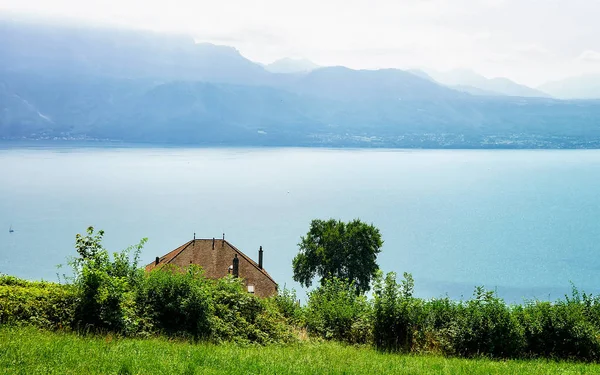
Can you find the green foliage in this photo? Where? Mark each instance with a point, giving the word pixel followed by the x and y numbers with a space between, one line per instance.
pixel 566 329
pixel 106 286
pixel 44 305
pixel 289 306
pixel 112 294
pixel 486 326
pixel 334 249
pixel 335 311
pixel 242 317
pixel 175 302
pixel 395 312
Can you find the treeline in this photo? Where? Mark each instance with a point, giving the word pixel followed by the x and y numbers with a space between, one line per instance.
pixel 112 294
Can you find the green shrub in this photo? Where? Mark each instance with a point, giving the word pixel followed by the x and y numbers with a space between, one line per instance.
pixel 175 302
pixel 6 280
pixel 44 305
pixel 486 326
pixel 395 312
pixel 242 317
pixel 289 306
pixel 106 286
pixel 335 311
pixel 560 330
pixel 434 325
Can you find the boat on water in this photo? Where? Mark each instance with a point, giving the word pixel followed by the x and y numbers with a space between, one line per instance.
pixel 10 230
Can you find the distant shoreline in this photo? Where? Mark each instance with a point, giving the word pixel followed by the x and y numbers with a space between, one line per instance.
pixel 93 143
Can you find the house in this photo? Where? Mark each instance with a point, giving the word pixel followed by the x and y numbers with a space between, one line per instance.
pixel 219 258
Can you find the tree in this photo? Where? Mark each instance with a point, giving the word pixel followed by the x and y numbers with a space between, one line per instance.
pixel 334 249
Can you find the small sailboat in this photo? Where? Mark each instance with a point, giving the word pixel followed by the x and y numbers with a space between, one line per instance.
pixel 10 230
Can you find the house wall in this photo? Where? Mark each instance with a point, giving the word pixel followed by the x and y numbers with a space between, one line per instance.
pixel 216 262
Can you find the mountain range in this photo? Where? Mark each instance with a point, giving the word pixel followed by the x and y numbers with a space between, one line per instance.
pixel 469 81
pixel 288 65
pixel 80 82
pixel 580 87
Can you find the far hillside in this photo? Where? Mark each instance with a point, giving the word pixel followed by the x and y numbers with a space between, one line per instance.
pixel 77 82
pixel 288 65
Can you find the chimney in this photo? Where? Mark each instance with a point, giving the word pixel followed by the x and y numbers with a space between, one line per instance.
pixel 213 243
pixel 260 257
pixel 156 261
pixel 236 266
pixel 223 243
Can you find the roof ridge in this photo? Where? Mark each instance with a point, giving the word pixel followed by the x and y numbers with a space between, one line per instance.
pixel 251 261
pixel 183 247
pixel 165 258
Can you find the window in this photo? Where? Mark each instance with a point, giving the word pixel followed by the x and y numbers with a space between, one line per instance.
pixel 251 289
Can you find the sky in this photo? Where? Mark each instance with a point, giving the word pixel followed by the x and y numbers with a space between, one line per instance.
pixel 529 41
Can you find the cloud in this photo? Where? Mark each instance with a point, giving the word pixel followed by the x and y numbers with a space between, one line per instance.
pixel 589 56
pixel 243 36
pixel 533 51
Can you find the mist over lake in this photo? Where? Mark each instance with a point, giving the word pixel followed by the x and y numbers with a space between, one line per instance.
pixel 522 222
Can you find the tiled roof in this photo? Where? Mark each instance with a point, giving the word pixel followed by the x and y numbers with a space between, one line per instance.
pixel 250 261
pixel 169 257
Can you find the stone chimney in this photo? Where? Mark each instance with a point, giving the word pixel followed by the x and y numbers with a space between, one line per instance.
pixel 236 266
pixel 260 258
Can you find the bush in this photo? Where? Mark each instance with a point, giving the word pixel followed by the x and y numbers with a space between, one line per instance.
pixel 335 311
pixel 106 286
pixel 435 326
pixel 242 317
pixel 44 305
pixel 175 302
pixel 486 326
pixel 560 330
pixel 396 312
pixel 289 306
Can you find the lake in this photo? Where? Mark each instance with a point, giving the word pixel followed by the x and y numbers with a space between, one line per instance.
pixel 525 223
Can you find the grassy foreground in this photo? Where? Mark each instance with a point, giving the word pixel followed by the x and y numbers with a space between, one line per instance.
pixel 31 351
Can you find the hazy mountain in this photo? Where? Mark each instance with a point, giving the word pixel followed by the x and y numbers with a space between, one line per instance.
pixel 288 65
pixel 342 83
pixel 468 78
pixel 211 113
pixel 475 91
pixel 77 83
pixel 420 73
pixel 121 53
pixel 581 87
pixel 462 88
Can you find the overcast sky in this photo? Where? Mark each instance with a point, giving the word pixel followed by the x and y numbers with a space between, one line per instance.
pixel 530 41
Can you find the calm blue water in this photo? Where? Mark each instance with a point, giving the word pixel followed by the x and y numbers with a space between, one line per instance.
pixel 523 222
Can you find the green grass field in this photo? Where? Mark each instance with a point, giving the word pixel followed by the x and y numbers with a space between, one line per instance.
pixel 30 351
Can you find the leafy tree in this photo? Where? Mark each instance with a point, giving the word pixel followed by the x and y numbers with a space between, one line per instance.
pixel 335 249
